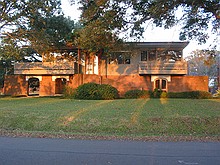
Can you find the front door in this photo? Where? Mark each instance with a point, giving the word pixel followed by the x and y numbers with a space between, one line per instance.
pixel 60 85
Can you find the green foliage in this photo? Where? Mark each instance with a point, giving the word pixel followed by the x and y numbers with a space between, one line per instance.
pixel 156 93
pixel 136 94
pixel 195 18
pixel 163 95
pixel 87 91
pixel 93 91
pixel 68 92
pixel 203 63
pixel 107 92
pixel 190 95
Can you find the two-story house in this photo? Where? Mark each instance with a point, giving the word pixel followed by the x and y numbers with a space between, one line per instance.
pixel 138 65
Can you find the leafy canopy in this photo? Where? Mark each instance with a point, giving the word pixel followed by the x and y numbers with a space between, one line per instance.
pixel 38 25
pixel 203 63
pixel 132 16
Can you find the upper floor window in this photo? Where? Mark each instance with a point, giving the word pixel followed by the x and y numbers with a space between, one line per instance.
pixel 161 55
pixel 120 58
pixel 149 55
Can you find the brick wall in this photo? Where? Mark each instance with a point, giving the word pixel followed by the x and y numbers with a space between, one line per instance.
pixel 47 86
pixel 15 85
pixel 188 83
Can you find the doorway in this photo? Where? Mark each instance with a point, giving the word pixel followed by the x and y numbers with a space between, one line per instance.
pixel 33 86
pixel 60 85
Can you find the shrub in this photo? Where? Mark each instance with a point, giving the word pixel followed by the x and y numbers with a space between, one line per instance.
pixel 163 95
pixel 93 91
pixel 87 91
pixel 156 93
pixel 190 95
pixel 135 94
pixel 107 92
pixel 68 92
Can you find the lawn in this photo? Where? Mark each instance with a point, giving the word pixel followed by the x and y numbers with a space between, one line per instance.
pixel 123 117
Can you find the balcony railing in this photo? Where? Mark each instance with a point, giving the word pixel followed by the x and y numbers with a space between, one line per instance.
pixel 159 67
pixel 44 68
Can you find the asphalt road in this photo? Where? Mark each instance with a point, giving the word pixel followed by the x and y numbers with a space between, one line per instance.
pixel 34 151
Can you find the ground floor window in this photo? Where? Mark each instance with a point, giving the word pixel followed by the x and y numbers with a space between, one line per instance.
pixel 160 84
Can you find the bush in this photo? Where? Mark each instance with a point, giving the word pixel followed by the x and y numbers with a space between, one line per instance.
pixel 191 95
pixel 108 92
pixel 163 95
pixel 68 92
pixel 93 91
pixel 135 94
pixel 156 93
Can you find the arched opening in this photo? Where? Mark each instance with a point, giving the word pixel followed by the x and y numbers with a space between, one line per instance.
pixel 160 84
pixel 33 86
pixel 60 85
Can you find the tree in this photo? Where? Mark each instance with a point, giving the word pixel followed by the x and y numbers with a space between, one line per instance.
pixel 30 27
pixel 22 22
pixel 22 12
pixel 204 63
pixel 196 16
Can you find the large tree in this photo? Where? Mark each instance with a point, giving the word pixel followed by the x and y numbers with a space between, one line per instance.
pixel 203 63
pixel 194 16
pixel 23 22
pixel 30 27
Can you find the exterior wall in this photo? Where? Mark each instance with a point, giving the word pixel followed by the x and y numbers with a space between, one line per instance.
pixel 129 82
pixel 122 83
pixel 47 86
pixel 15 85
pixel 122 69
pixel 188 83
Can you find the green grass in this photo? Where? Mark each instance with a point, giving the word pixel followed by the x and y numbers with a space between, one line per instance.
pixel 123 117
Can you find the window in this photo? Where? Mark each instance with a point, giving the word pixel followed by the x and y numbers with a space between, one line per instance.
pixel 144 56
pixel 160 84
pixel 149 55
pixel 152 55
pixel 120 58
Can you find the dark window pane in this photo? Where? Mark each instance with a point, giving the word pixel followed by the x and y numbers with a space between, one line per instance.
pixel 152 55
pixel 144 56
pixel 157 84
pixel 164 84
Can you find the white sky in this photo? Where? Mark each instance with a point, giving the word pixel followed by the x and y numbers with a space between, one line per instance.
pixel 155 34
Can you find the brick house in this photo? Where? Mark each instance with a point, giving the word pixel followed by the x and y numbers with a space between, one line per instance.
pixel 139 65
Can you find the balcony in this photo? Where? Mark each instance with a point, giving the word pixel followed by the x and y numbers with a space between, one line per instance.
pixel 161 67
pixel 44 68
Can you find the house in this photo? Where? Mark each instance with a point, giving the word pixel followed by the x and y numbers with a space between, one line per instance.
pixel 137 65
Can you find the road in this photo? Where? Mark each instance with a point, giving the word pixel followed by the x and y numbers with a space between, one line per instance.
pixel 34 151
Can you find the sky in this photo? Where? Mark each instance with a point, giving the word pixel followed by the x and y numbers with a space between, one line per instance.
pixel 151 34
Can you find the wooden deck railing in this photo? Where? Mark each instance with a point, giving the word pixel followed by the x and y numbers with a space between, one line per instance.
pixel 44 68
pixel 159 67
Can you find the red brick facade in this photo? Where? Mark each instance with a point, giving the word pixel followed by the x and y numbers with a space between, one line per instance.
pixel 18 85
